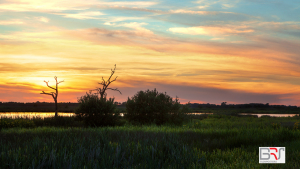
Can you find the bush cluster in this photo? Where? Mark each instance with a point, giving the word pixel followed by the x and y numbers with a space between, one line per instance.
pixel 152 107
pixel 143 108
pixel 146 107
pixel 96 111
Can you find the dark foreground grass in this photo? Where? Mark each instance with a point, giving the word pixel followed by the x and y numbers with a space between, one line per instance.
pixel 215 141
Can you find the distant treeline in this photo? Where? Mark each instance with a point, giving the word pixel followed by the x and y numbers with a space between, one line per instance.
pixel 249 105
pixel 245 108
pixel 70 107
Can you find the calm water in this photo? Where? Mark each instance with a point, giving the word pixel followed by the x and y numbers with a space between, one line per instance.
pixel 258 115
pixel 30 115
pixel 52 114
pixel 272 115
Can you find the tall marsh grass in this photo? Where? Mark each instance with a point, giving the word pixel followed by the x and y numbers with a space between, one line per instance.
pixel 212 142
pixel 30 122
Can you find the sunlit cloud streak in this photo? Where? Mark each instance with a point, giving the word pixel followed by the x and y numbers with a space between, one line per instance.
pixel 42 19
pixel 225 4
pixel 56 5
pixel 11 22
pixel 84 15
pixel 210 30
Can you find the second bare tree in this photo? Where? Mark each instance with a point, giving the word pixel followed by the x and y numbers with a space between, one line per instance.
pixel 105 84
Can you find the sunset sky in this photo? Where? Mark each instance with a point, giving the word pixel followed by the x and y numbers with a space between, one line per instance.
pixel 204 51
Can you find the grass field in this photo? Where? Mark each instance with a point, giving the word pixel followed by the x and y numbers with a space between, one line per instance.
pixel 207 141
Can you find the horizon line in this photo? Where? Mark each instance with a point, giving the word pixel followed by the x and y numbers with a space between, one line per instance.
pixel 180 103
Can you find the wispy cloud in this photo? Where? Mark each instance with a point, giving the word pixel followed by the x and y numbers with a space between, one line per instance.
pixel 42 19
pixel 57 5
pixel 111 20
pixel 224 3
pixel 288 25
pixel 140 31
pixel 208 30
pixel 228 5
pixel 204 3
pixel 128 3
pixel 184 11
pixel 11 22
pixel 40 6
pixel 84 15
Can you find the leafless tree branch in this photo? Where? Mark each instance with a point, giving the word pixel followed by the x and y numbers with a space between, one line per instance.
pixel 105 84
pixel 49 86
pixel 60 82
pixel 116 89
pixel 47 93
pixel 53 94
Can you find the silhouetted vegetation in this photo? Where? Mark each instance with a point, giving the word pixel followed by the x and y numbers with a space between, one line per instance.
pixel 54 95
pixel 153 107
pixel 58 121
pixel 44 107
pixel 244 108
pixel 195 107
pixel 223 140
pixel 97 111
pixel 105 84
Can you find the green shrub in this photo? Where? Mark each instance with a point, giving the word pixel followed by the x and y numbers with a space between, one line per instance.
pixel 38 121
pixel 96 111
pixel 19 122
pixel 153 107
pixel 121 122
pixel 59 121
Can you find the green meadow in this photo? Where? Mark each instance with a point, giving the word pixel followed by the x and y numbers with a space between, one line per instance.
pixel 203 141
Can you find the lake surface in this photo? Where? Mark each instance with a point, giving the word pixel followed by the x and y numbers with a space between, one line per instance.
pixel 30 115
pixel 271 115
pixel 258 115
pixel 42 115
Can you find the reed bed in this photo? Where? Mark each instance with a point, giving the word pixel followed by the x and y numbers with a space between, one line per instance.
pixel 37 121
pixel 212 142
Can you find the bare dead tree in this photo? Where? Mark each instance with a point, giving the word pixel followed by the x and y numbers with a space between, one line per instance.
pixel 54 95
pixel 105 85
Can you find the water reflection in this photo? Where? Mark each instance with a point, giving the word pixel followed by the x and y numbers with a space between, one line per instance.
pixel 199 113
pixel 258 115
pixel 42 115
pixel 271 115
pixel 31 115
